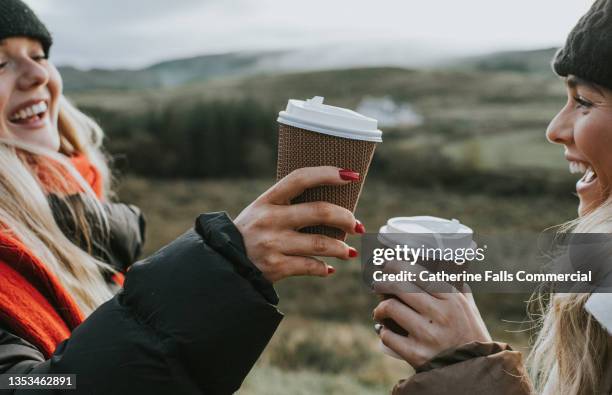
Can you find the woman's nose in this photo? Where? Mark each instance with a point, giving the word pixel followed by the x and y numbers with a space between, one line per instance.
pixel 561 129
pixel 32 75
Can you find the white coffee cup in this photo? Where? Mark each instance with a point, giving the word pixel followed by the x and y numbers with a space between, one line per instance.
pixel 431 232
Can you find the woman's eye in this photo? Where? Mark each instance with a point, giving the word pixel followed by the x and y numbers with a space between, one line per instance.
pixel 582 102
pixel 3 65
pixel 39 58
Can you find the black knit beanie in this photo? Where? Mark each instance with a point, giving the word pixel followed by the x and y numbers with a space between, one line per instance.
pixel 588 50
pixel 18 20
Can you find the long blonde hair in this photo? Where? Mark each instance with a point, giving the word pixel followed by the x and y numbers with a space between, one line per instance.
pixel 25 211
pixel 570 352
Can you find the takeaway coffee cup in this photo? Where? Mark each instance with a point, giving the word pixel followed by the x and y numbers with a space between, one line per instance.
pixel 423 232
pixel 315 134
pixel 426 231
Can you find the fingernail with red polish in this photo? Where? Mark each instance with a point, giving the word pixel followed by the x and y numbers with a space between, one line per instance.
pixel 349 175
pixel 359 228
pixel 352 252
pixel 331 270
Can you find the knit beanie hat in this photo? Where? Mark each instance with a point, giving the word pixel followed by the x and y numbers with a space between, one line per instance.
pixel 17 19
pixel 588 50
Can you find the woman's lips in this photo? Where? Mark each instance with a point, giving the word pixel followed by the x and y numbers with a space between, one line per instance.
pixel 587 182
pixel 30 114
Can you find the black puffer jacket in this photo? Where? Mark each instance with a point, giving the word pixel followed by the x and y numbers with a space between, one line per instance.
pixel 121 247
pixel 191 319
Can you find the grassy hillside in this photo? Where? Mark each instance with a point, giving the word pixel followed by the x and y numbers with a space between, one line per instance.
pixel 479 120
pixel 426 88
pixel 534 61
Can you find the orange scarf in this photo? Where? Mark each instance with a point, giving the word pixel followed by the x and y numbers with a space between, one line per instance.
pixel 55 179
pixel 33 303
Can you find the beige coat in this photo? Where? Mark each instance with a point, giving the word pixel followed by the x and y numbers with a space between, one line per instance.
pixel 473 369
pixel 478 369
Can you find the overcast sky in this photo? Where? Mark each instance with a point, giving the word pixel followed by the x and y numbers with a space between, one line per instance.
pixel 133 33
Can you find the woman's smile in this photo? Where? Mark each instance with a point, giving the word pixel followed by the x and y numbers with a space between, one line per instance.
pixel 30 115
pixel 588 182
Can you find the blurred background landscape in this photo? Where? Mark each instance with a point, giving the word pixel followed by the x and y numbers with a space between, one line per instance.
pixel 188 93
pixel 464 139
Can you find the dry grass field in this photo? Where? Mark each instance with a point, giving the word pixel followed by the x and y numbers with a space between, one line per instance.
pixel 326 344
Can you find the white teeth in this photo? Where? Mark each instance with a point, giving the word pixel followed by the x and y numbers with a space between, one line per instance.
pixel 577 168
pixel 40 108
pixel 573 167
pixel 35 109
pixel 589 175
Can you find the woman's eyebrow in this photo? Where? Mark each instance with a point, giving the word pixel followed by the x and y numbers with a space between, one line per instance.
pixel 573 82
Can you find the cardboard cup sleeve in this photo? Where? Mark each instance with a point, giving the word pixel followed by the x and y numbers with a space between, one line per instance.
pixel 299 148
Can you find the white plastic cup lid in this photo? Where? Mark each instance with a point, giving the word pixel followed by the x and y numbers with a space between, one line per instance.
pixel 315 116
pixel 428 231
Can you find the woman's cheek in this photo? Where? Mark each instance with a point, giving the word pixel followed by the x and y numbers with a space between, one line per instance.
pixel 5 94
pixel 594 141
pixel 55 78
pixel 55 87
pixel 592 138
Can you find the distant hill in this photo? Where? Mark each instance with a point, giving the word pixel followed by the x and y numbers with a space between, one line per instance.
pixel 170 73
pixel 534 61
pixel 186 71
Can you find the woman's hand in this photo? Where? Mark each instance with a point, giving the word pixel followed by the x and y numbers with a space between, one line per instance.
pixel 270 226
pixel 434 321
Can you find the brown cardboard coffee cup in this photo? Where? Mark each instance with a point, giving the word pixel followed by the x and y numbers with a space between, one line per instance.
pixel 314 134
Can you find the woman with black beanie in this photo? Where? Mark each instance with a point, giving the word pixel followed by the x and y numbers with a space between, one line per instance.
pixel 448 344
pixel 191 319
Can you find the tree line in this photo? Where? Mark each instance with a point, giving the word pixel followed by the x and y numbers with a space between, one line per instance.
pixel 199 140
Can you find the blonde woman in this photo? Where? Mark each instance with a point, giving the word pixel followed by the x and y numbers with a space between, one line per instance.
pixel 190 319
pixel 449 345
